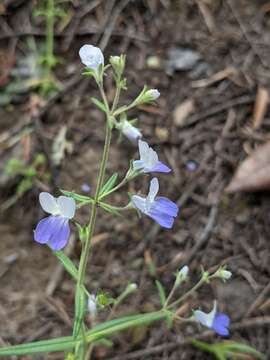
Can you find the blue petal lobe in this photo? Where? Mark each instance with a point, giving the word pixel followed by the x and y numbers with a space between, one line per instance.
pixel 45 229
pixel 162 219
pixel 221 323
pixel 160 167
pixel 60 235
pixel 166 206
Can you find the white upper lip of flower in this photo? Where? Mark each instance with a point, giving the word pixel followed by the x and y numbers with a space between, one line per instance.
pixel 63 205
pixel 204 318
pixel 148 157
pixel 145 204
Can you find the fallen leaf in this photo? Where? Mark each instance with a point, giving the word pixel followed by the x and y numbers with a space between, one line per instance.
pixel 254 172
pixel 260 108
pixel 182 111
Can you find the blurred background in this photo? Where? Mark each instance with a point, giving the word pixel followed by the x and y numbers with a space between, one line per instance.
pixel 210 61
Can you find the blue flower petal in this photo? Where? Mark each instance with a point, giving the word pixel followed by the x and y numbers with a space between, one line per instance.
pixel 159 167
pixel 60 234
pixel 221 323
pixel 45 229
pixel 162 219
pixel 166 206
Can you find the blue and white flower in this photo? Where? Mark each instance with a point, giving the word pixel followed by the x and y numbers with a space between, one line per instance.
pixel 160 209
pixel 214 320
pixel 54 230
pixel 91 56
pixel 149 160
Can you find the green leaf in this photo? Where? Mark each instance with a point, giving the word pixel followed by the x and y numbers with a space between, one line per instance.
pixel 99 104
pixel 67 263
pixel 68 343
pixel 243 348
pixel 80 306
pixel 108 185
pixel 77 197
pixel 111 209
pixel 161 292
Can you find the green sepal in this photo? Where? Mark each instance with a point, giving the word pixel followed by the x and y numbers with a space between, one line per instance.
pixel 111 209
pixel 108 185
pixel 77 197
pixel 83 232
pixel 99 104
pixel 161 292
pixel 80 306
pixel 67 263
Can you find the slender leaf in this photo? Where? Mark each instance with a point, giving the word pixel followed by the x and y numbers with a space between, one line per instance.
pixel 80 305
pixel 99 332
pixel 67 263
pixel 77 197
pixel 99 104
pixel 161 292
pixel 108 185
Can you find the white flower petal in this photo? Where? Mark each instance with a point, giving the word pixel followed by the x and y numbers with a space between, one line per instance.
pixel 139 202
pixel 91 56
pixel 67 206
pixel 152 158
pixel 153 190
pixel 48 203
pixel 131 132
pixel 143 149
pixel 204 318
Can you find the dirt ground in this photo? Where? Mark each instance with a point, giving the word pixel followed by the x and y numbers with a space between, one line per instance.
pixel 226 44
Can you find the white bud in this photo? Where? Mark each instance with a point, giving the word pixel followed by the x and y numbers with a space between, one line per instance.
pixel 223 274
pixel 91 56
pixel 92 305
pixel 182 275
pixel 133 286
pixel 153 94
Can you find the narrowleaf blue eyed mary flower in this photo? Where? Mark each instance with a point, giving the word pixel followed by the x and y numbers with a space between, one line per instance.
pixel 91 56
pixel 214 320
pixel 149 160
pixel 160 209
pixel 54 230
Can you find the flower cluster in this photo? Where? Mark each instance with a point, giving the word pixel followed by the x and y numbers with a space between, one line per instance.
pixel 54 230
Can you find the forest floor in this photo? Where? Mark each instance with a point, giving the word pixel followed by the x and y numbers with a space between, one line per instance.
pixel 208 59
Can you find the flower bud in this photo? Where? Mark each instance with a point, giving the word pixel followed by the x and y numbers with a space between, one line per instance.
pixel 118 64
pixel 223 274
pixel 181 275
pixel 92 305
pixel 153 94
pixel 91 56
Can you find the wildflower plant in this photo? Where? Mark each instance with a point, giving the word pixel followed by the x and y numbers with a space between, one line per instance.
pixel 54 231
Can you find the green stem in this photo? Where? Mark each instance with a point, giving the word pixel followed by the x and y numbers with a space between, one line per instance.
pixel 187 294
pixel 50 34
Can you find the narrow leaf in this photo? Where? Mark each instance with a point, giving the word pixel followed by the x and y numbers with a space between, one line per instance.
pixel 99 104
pixel 80 306
pixel 67 263
pixel 108 185
pixel 77 197
pixel 161 292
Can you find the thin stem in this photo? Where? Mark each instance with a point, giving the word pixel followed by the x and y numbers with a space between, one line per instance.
pixel 91 225
pixel 50 34
pixel 187 294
